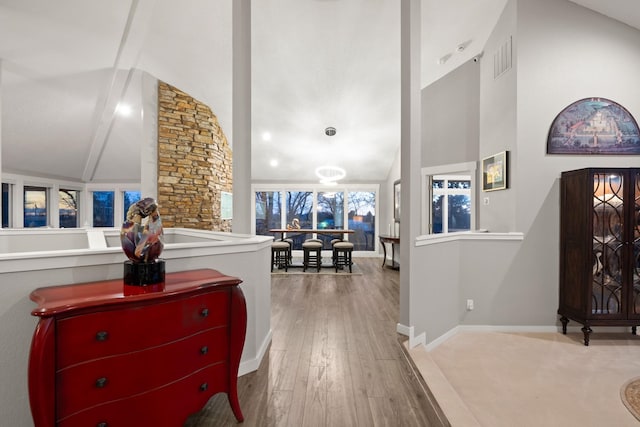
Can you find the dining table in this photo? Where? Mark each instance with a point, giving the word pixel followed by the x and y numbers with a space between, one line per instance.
pixel 297 231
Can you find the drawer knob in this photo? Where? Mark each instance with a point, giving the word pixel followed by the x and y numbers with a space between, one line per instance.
pixel 204 387
pixel 204 312
pixel 204 349
pixel 102 336
pixel 102 424
pixel 101 382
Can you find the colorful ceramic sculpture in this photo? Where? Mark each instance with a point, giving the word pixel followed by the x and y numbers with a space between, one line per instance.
pixel 141 235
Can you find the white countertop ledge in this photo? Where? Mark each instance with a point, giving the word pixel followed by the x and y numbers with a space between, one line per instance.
pixel 432 239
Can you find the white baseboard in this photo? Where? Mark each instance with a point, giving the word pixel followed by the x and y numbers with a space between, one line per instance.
pixel 403 329
pixel 500 328
pixel 252 365
pixel 442 338
pixel 409 331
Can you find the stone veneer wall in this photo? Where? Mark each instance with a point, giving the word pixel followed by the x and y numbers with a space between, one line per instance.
pixel 194 162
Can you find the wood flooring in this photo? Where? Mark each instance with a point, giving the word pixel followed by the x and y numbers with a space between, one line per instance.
pixel 335 359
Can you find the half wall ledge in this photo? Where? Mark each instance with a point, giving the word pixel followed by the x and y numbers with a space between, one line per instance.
pixel 432 239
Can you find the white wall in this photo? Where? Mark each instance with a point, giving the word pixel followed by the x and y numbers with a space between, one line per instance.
pixel 386 197
pixel 385 204
pixel 562 53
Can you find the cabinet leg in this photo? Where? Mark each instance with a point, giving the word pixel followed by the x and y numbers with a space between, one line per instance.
pixel 586 330
pixel 235 405
pixel 238 331
pixel 564 321
pixel 633 330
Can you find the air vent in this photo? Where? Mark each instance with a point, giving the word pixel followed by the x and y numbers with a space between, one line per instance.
pixel 503 59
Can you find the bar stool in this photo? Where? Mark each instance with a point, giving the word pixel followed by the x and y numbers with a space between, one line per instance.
pixel 333 242
pixel 342 255
pixel 280 254
pixel 290 241
pixel 316 240
pixel 311 254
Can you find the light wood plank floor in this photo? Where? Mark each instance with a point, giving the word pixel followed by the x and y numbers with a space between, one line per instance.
pixel 335 358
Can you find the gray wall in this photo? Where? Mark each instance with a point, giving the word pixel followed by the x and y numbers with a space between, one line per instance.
pixel 562 53
pixel 566 53
pixel 450 117
pixel 498 103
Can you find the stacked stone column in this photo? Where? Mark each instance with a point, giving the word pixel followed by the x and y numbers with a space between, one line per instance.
pixel 194 162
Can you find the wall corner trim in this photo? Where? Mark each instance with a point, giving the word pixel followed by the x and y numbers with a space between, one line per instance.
pixel 252 365
pixel 409 331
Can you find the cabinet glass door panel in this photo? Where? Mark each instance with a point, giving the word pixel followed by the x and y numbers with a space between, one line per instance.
pixel 608 243
pixel 635 255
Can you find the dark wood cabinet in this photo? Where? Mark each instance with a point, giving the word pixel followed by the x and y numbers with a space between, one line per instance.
pixel 110 354
pixel 600 248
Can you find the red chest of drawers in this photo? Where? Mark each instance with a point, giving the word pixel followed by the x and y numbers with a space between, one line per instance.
pixel 107 354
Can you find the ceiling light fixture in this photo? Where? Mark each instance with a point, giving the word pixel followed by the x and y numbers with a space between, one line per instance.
pixel 330 131
pixel 330 174
pixel 266 136
pixel 123 109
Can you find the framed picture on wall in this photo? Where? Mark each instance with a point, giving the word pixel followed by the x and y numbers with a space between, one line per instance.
pixel 396 201
pixel 594 126
pixel 495 172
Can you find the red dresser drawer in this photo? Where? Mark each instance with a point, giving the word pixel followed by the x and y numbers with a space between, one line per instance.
pixel 116 377
pixel 161 407
pixel 96 335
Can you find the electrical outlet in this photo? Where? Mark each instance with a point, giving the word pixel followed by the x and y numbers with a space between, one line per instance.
pixel 469 304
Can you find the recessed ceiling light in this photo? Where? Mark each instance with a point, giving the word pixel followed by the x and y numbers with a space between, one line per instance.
pixel 273 163
pixel 124 109
pixel 266 136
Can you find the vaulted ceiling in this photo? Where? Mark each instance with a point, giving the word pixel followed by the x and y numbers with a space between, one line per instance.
pixel 65 66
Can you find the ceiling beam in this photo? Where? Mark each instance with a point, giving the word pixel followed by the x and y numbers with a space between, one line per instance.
pixel 122 71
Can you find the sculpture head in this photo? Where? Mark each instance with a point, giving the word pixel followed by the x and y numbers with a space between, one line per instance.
pixel 141 235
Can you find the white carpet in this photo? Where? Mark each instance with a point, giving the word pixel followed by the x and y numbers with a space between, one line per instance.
pixel 532 379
